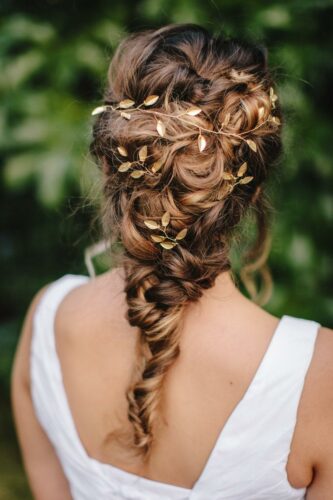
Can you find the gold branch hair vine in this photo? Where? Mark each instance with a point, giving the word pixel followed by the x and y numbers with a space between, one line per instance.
pixel 129 105
pixel 138 172
pixel 233 180
pixel 138 167
pixel 165 240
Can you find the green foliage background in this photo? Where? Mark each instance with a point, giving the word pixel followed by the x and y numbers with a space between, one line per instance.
pixel 54 56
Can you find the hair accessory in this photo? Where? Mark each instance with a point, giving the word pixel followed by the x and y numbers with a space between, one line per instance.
pixel 136 173
pixel 233 180
pixel 164 240
pixel 128 104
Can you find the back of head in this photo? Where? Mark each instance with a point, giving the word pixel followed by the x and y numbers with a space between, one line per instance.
pixel 188 133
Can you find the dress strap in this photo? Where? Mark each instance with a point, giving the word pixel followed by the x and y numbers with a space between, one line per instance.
pixel 45 374
pixel 255 442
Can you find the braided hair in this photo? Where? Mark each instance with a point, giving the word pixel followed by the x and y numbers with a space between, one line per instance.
pixel 229 80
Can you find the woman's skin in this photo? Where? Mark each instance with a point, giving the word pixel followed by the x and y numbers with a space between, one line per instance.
pixel 224 338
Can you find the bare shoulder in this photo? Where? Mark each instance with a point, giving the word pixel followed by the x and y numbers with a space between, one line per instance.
pixel 92 316
pixel 91 301
pixel 101 293
pixel 104 286
pixel 320 408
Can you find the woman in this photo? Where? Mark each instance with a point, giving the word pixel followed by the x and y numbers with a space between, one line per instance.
pixel 159 379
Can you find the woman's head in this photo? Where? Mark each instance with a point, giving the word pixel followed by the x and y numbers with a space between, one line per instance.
pixel 193 158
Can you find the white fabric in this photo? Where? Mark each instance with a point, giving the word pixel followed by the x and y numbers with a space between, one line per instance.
pixel 249 458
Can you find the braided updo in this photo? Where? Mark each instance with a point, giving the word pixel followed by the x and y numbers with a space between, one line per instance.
pixel 229 80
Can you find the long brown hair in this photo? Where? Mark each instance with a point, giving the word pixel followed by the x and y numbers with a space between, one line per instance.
pixel 230 81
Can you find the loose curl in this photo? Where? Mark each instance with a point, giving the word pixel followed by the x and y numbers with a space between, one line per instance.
pixel 182 63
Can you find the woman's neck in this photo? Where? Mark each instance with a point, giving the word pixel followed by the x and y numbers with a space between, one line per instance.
pixel 224 289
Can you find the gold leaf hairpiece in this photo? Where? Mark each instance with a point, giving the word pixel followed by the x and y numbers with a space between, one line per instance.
pixel 273 97
pixel 137 173
pixel 165 219
pixel 143 168
pixel 202 143
pixel 126 103
pixel 246 180
pixel 151 224
pixel 252 144
pixel 156 166
pixel 122 150
pixel 98 110
pixel 150 100
pixel 164 240
pixel 125 115
pixel 123 167
pixel 227 176
pixel 181 234
pixel 168 244
pixel 193 111
pixel 143 153
pixel 160 127
pixel 233 180
pixel 242 169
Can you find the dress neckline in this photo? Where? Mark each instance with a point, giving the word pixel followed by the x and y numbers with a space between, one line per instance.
pixel 130 477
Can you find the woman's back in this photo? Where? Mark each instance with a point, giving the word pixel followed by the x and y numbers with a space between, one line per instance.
pixel 168 362
pixel 224 342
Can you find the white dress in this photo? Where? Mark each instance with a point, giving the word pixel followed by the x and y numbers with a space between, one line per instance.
pixel 249 457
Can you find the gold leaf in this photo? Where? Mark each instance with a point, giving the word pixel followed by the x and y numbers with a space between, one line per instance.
pixel 165 219
pixel 160 127
pixel 193 111
pixel 126 103
pixel 242 169
pixel 137 173
pixel 156 165
pixel 181 234
pixel 246 180
pixel 150 100
pixel 276 120
pixel 157 238
pixel 143 153
pixel 227 176
pixel 226 120
pixel 125 115
pixel 223 191
pixel 152 224
pixel 98 110
pixel 261 112
pixel 123 167
pixel 202 143
pixel 272 95
pixel 252 144
pixel 168 244
pixel 122 150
